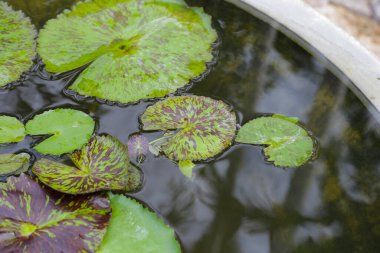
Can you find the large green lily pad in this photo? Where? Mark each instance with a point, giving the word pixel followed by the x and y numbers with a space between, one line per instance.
pixel 35 219
pixel 198 127
pixel 14 164
pixel 17 44
pixel 135 229
pixel 11 129
pixel 136 49
pixel 69 129
pixel 289 145
pixel 103 164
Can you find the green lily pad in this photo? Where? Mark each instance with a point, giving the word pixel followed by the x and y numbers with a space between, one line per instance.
pixel 17 44
pixel 289 145
pixel 11 130
pixel 198 127
pixel 103 164
pixel 133 229
pixel 69 129
pixel 14 164
pixel 136 49
pixel 36 219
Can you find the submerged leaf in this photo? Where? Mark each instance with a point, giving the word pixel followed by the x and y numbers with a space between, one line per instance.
pixel 205 127
pixel 289 144
pixel 70 130
pixel 36 219
pixel 136 49
pixel 103 164
pixel 135 229
pixel 17 44
pixel 11 130
pixel 138 147
pixel 14 164
pixel 186 167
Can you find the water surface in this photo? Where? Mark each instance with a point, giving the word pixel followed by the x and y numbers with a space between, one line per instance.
pixel 239 203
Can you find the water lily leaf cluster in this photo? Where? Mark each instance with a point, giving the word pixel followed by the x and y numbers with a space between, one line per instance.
pixel 11 129
pixel 67 130
pixel 17 44
pixel 127 50
pixel 133 228
pixel 14 164
pixel 197 127
pixel 36 219
pixel 288 144
pixel 135 49
pixel 102 164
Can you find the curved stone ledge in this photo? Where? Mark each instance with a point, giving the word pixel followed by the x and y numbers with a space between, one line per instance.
pixel 342 50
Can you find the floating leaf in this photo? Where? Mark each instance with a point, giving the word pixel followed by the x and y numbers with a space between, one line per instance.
pixel 103 164
pixel 14 164
pixel 70 130
pixel 289 145
pixel 17 44
pixel 11 129
pixel 186 167
pixel 135 229
pixel 138 147
pixel 204 126
pixel 136 49
pixel 36 219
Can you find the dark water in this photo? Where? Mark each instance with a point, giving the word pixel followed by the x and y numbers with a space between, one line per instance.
pixel 239 203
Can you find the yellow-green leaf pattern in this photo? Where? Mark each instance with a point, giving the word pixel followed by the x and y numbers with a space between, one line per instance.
pixel 102 164
pixel 198 127
pixel 17 44
pixel 135 49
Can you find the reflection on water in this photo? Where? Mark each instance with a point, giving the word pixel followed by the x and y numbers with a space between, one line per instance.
pixel 239 203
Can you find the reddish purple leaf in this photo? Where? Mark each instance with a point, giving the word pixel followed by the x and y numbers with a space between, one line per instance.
pixel 34 218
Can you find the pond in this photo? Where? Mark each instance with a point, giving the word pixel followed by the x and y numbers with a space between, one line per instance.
pixel 238 202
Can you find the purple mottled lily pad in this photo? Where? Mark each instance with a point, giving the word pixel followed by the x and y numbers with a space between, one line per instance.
pixel 197 127
pixel 103 164
pixel 34 219
pixel 138 147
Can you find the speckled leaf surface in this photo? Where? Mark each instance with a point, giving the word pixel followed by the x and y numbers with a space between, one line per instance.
pixel 133 229
pixel 102 164
pixel 17 44
pixel 138 147
pixel 11 129
pixel 289 145
pixel 69 129
pixel 204 126
pixel 35 219
pixel 137 49
pixel 14 164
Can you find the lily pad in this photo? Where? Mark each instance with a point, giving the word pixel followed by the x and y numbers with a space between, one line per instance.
pixel 14 164
pixel 68 130
pixel 133 228
pixel 136 49
pixel 36 219
pixel 17 44
pixel 289 145
pixel 198 127
pixel 138 147
pixel 11 130
pixel 103 164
